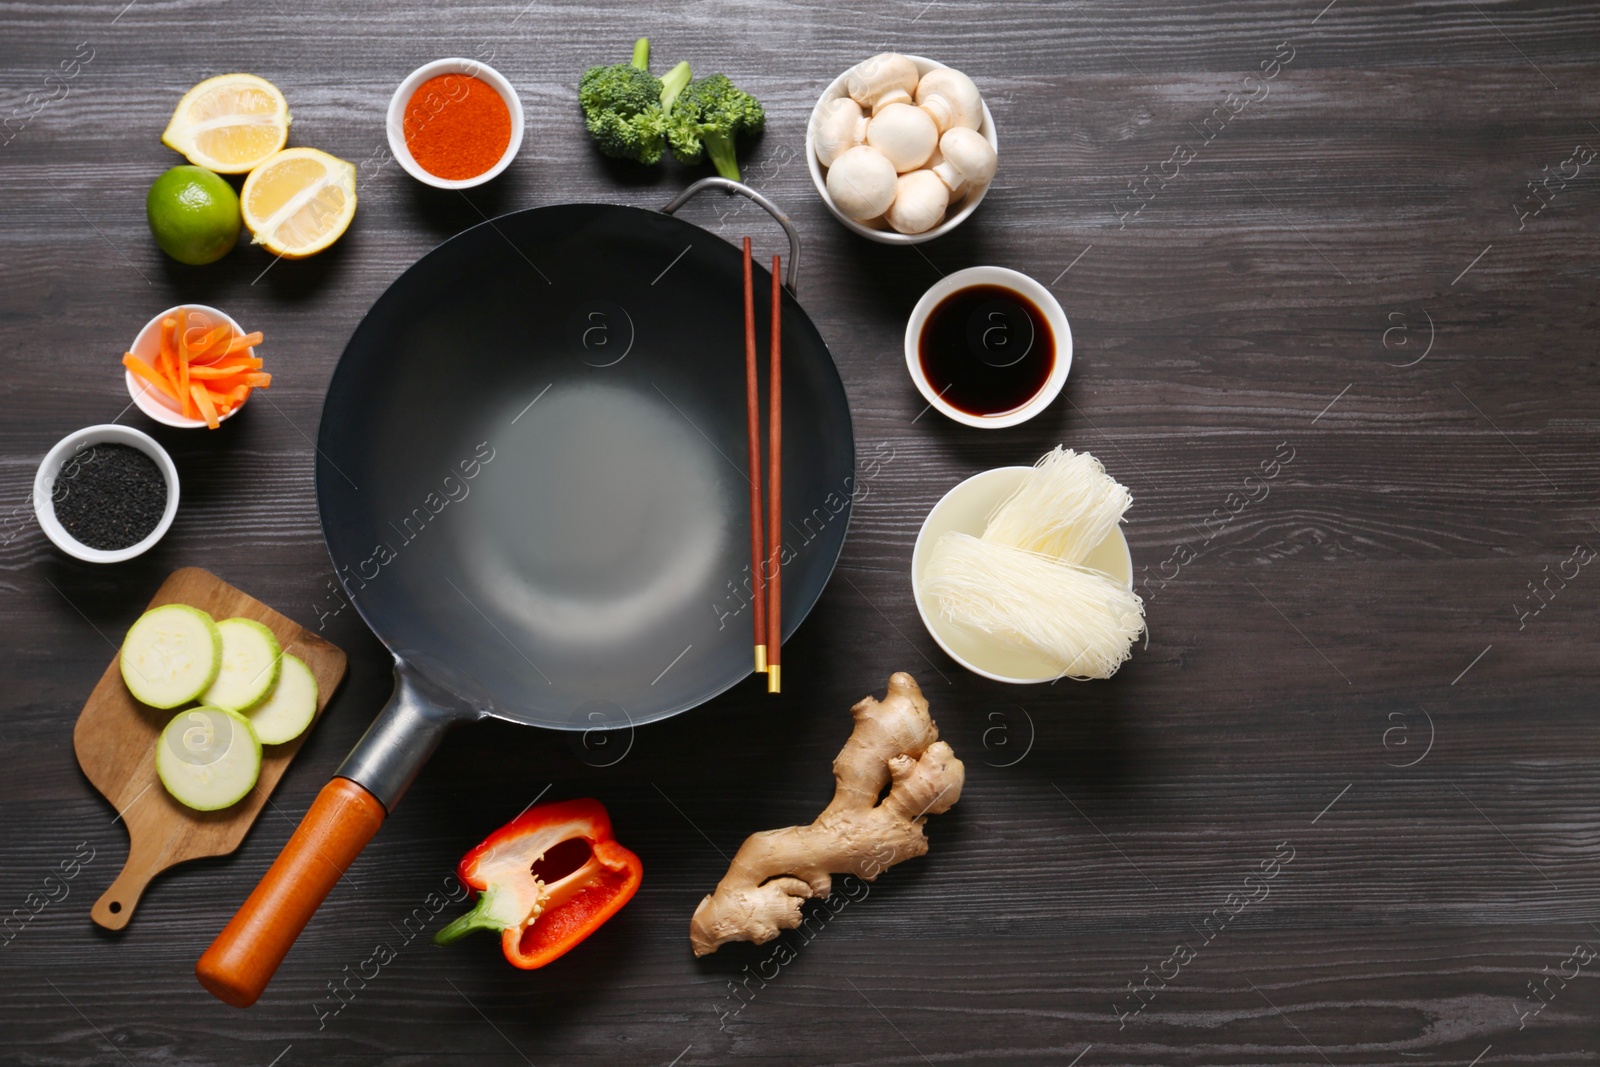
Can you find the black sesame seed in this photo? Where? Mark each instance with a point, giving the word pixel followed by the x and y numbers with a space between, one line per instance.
pixel 109 496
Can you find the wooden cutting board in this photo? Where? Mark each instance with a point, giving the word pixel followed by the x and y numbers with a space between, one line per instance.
pixel 115 740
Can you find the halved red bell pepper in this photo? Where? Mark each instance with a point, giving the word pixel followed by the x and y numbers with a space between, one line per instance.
pixel 546 880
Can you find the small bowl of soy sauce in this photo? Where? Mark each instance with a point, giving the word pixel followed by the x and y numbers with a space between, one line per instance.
pixel 988 347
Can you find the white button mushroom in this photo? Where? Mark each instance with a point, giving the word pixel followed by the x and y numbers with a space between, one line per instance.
pixel 950 99
pixel 933 164
pixel 903 133
pixel 967 161
pixel 884 79
pixel 861 183
pixel 919 202
pixel 841 125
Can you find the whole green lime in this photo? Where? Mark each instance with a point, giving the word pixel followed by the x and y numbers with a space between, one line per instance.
pixel 194 214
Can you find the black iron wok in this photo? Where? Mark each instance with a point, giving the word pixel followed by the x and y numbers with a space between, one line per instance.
pixel 531 477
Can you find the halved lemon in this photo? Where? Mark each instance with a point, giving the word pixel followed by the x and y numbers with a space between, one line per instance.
pixel 299 202
pixel 230 123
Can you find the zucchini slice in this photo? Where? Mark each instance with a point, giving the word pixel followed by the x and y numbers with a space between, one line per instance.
pixel 171 655
pixel 290 707
pixel 251 660
pixel 208 758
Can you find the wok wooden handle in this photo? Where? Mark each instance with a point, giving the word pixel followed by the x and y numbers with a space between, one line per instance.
pixel 241 961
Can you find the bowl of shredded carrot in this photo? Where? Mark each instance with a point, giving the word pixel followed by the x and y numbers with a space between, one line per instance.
pixel 193 366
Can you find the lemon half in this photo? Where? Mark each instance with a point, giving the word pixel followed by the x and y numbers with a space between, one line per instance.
pixel 230 123
pixel 299 202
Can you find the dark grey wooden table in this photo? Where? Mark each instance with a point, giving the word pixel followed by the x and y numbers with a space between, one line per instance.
pixel 1354 245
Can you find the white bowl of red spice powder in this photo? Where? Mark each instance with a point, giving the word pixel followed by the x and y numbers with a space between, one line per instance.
pixel 455 123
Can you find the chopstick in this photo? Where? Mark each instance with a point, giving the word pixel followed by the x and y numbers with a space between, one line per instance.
pixel 775 486
pixel 758 591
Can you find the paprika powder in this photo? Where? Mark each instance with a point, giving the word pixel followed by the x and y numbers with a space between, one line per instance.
pixel 456 126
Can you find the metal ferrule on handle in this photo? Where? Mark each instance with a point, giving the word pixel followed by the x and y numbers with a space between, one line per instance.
pixel 400 740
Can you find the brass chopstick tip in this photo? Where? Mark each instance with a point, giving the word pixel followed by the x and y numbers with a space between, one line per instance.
pixel 774 678
pixel 761 659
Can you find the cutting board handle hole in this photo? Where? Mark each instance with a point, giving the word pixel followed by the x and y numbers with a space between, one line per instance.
pixel 115 906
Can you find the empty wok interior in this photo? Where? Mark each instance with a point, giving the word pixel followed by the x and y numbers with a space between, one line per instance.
pixel 532 464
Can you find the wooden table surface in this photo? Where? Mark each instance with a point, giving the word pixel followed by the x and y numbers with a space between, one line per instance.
pixel 1342 808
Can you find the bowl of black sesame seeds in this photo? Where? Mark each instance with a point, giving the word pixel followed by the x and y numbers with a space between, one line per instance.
pixel 106 493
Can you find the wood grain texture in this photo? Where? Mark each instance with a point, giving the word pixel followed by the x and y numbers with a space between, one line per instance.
pixel 1278 290
pixel 115 740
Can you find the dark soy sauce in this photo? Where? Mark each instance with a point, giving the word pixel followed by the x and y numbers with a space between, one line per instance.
pixel 986 349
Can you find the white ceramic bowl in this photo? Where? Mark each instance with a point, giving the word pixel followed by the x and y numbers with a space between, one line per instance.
pixel 966 509
pixel 402 97
pixel 884 235
pixel 1041 297
pixel 72 445
pixel 152 401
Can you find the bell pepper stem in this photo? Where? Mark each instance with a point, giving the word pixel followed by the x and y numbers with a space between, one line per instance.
pixel 479 918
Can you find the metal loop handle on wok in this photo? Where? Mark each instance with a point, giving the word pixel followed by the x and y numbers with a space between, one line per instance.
pixel 792 275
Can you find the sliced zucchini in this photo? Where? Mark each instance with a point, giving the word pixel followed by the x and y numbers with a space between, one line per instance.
pixel 290 707
pixel 251 659
pixel 208 758
pixel 171 655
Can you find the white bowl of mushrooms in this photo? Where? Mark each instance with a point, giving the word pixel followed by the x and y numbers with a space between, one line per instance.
pixel 901 148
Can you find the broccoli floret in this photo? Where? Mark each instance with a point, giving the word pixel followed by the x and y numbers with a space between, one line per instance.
pixel 707 117
pixel 622 105
pixel 636 137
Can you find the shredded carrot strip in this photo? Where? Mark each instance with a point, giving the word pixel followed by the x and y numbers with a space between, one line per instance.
pixel 184 390
pixel 223 370
pixel 148 373
pixel 185 393
pixel 239 344
pixel 202 401
pixel 207 345
pixel 232 398
pixel 164 352
pixel 258 378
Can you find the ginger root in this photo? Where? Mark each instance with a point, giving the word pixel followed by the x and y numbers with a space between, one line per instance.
pixel 776 870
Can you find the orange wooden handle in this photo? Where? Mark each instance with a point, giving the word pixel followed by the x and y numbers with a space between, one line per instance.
pixel 241 961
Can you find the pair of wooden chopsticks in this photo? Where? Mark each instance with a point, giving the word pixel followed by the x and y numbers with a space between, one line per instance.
pixel 765 552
